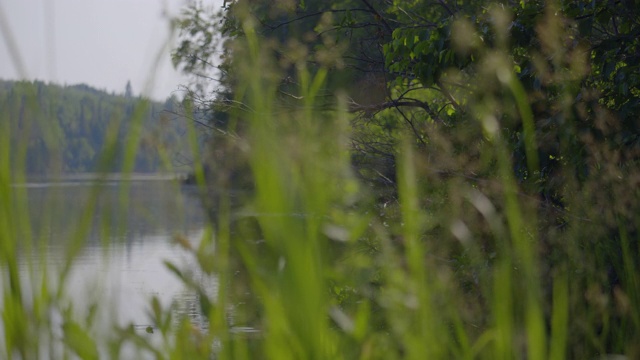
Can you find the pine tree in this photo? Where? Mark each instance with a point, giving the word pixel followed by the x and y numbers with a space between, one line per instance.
pixel 128 92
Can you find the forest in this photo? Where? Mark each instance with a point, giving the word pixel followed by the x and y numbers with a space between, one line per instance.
pixel 77 128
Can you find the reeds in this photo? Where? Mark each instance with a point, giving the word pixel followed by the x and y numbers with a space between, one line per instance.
pixel 456 267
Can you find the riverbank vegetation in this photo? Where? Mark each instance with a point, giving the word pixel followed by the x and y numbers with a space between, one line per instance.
pixel 442 180
pixel 419 180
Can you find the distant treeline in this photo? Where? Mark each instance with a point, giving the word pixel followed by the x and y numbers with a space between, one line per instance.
pixel 70 129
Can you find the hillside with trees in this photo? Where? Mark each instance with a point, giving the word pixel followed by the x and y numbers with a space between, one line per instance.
pixel 77 128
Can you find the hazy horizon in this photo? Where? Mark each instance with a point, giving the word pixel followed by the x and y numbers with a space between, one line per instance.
pixel 100 43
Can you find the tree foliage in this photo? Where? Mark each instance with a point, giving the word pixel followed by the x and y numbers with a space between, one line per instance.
pixel 396 54
pixel 78 128
pixel 552 84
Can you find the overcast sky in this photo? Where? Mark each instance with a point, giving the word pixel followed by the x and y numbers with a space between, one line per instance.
pixel 102 43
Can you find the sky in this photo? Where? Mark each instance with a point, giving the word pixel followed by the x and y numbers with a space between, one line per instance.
pixel 101 43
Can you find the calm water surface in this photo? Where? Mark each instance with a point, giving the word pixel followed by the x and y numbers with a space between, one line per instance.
pixel 127 229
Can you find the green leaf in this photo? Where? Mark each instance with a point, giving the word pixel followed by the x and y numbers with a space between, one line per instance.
pixel 395 45
pixel 385 49
pixel 79 341
pixel 421 47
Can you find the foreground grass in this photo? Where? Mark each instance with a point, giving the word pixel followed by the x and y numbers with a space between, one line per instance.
pixel 452 268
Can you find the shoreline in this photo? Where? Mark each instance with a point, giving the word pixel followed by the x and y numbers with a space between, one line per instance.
pixel 100 177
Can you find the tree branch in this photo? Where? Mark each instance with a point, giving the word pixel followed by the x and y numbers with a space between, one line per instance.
pixel 274 27
pixel 450 97
pixel 355 107
pixel 413 128
pixel 380 17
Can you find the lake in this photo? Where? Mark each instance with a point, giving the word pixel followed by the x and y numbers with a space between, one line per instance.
pixel 127 230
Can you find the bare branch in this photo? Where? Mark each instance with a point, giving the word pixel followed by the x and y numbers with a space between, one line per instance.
pixel 380 17
pixel 446 7
pixel 450 97
pixel 355 107
pixel 318 13
pixel 413 128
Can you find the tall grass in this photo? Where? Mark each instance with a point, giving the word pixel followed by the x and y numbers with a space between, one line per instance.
pixel 311 267
pixel 329 278
pixel 453 269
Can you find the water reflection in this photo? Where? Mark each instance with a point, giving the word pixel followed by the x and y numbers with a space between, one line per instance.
pixel 127 230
